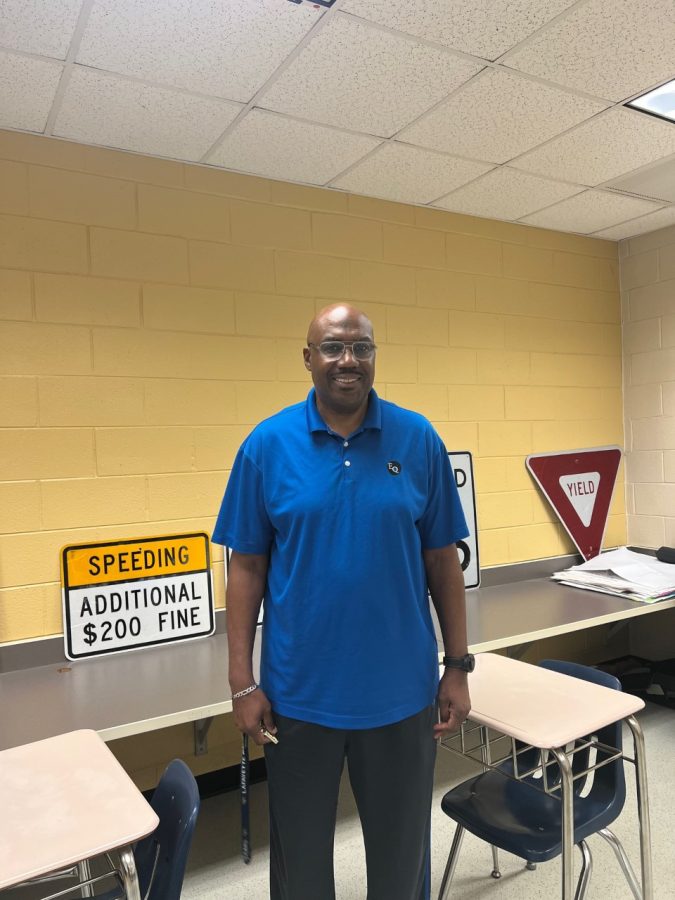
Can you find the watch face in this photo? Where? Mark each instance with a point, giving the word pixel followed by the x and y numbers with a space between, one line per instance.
pixel 469 662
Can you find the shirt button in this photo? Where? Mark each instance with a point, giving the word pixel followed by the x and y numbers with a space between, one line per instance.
pixel 347 463
pixel 346 444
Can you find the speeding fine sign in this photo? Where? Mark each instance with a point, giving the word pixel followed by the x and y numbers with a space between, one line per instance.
pixel 135 593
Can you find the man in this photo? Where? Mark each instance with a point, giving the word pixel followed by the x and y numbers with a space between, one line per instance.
pixel 340 512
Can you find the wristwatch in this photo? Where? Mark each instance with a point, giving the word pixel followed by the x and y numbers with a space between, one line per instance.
pixel 466 663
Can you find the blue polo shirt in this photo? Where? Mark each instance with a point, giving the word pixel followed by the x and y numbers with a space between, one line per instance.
pixel 348 639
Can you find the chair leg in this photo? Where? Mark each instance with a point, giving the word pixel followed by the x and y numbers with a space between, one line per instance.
pixel 530 866
pixel 84 874
pixel 624 862
pixel 496 872
pixel 452 862
pixel 586 870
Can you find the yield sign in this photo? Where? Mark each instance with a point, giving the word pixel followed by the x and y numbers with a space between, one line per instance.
pixel 579 485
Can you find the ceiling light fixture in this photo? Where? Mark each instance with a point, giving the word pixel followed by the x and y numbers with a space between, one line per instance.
pixel 660 102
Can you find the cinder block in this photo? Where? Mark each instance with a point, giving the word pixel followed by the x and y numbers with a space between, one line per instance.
pixel 347 236
pixel 132 166
pixel 542 511
pixel 228 184
pixel 83 502
pixel 310 275
pixel 30 453
pixel 466 253
pixel 615 532
pixel 173 401
pixel 257 400
pixel 458 436
pixel 503 367
pixel 184 213
pixel 534 542
pixel 84 300
pixel 385 210
pixel 567 369
pixel 33 148
pixel 646 466
pixel 172 307
pixel 476 403
pixel 667 262
pixel 570 243
pixel 289 362
pixel 267 225
pixel 504 509
pixel 179 496
pixel 643 400
pixel 530 263
pixel 490 474
pixel 90 401
pixel 38 244
pixel 396 364
pixel 414 325
pixel 229 266
pixel 447 365
pixel 15 295
pixel 586 271
pixel 518 477
pixel 137 451
pixel 19 507
pixel 505 296
pixel 273 316
pixel 18 401
pixel 445 290
pixel 157 354
pixel 126 254
pixel 13 188
pixel 429 399
pixel 413 246
pixel 493 546
pixel 668 392
pixel 76 197
pixel 286 194
pixel 31 349
pixel 28 612
pixel 479 330
pixel 561 403
pixel 668 467
pixel 586 337
pixel 646 531
pixel 641 336
pixel 381 282
pixel 562 301
pixel 654 499
pixel 554 436
pixel 652 300
pixel 504 438
pixel 668 330
pixel 652 367
pixel 522 333
pixel 216 446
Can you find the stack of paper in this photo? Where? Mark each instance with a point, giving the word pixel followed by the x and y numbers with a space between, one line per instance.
pixel 625 573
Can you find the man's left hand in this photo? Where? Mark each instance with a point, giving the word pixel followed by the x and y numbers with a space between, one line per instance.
pixel 454 703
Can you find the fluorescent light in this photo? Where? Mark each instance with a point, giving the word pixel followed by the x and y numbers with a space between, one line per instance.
pixel 659 102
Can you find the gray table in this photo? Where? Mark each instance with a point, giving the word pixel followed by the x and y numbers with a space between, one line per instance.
pixel 131 693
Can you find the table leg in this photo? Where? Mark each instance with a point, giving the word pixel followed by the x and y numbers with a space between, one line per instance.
pixel 567 823
pixel 643 809
pixel 129 874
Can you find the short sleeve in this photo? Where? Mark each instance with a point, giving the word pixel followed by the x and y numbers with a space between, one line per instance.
pixel 243 524
pixel 443 520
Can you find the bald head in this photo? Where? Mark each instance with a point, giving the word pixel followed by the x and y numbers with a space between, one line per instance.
pixel 336 316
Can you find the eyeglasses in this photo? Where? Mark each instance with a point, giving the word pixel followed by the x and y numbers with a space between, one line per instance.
pixel 334 350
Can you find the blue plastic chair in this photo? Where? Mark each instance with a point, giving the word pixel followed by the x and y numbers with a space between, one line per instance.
pixel 512 816
pixel 161 857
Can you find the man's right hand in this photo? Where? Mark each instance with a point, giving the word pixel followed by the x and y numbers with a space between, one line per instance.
pixel 252 713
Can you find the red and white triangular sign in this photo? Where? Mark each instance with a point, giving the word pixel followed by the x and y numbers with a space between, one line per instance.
pixel 579 485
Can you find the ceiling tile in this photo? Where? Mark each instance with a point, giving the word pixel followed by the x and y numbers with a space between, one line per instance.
pixel 38 27
pixel 506 194
pixel 408 174
pixel 484 27
pixel 225 49
pixel 98 108
pixel 502 115
pixel 656 182
pixel 613 143
pixel 275 146
pixel 356 76
pixel 28 89
pixel 590 211
pixel 611 48
pixel 659 219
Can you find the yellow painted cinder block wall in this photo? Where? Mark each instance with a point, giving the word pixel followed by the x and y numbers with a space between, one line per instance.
pixel 152 312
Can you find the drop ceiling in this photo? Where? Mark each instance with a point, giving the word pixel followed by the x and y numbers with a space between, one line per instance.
pixel 509 109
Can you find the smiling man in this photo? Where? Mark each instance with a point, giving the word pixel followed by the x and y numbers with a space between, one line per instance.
pixel 342 512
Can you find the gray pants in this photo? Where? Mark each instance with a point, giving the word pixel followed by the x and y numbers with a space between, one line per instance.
pixel 391 773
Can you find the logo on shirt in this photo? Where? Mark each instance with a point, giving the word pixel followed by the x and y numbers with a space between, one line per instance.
pixel 394 467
